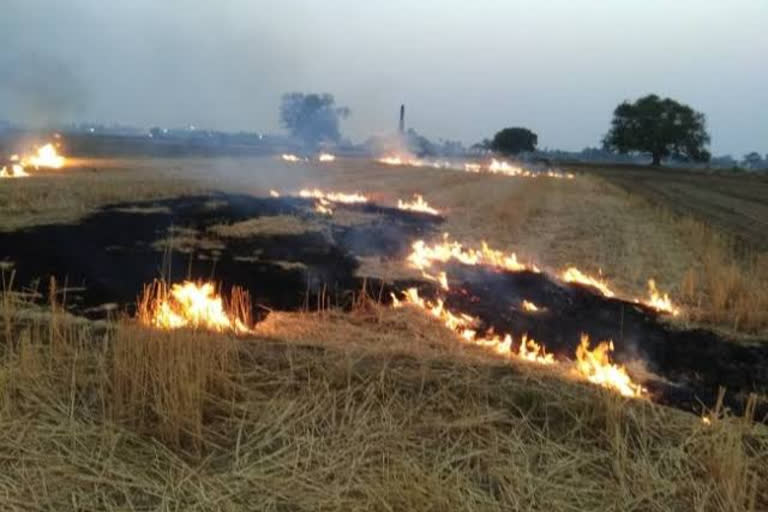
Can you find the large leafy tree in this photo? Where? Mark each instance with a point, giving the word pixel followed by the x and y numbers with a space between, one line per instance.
pixel 511 141
pixel 313 118
pixel 658 127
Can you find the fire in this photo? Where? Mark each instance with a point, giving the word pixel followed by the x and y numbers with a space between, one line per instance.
pixel 532 351
pixel 326 157
pixel 441 164
pixel 530 306
pixel 417 205
pixel 441 278
pixel 15 171
pixel 334 197
pixel 290 158
pixel 391 160
pixel 461 323
pixel 323 206
pixel 555 174
pixel 502 167
pixel 659 302
pixel 398 160
pixel 574 275
pixel 596 366
pixel 464 326
pixel 193 305
pixel 274 193
pixel 494 167
pixel 423 256
pixel 47 156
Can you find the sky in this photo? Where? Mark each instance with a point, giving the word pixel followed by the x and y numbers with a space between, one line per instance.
pixel 463 69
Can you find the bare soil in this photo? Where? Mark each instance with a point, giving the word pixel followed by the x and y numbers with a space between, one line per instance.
pixel 737 203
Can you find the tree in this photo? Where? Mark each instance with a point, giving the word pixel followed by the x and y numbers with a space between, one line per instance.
pixel 313 118
pixel 753 160
pixel 511 141
pixel 482 146
pixel 659 127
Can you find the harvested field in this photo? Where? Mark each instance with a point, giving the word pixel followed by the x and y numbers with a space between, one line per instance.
pixel 333 385
pixel 142 420
pixel 735 203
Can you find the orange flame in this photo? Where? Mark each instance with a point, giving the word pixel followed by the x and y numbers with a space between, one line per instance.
pixel 658 301
pixel 532 351
pixel 323 206
pixel 15 171
pixel 193 305
pixel 417 205
pixel 464 324
pixel 274 193
pixel 290 158
pixel 326 157
pixel 47 156
pixel 423 256
pixel 574 275
pixel 495 167
pixel 398 160
pixel 502 167
pixel 593 365
pixel 441 278
pixel 391 160
pixel 530 306
pixel 335 197
pixel 596 366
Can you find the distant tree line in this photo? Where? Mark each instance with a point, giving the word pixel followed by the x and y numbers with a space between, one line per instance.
pixel 660 128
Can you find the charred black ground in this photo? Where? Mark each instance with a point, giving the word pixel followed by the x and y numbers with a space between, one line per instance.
pixel 111 254
pixel 693 363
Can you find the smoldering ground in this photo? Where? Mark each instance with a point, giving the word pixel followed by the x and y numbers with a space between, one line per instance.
pixel 110 255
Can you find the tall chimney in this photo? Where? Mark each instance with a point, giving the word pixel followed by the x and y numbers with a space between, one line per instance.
pixel 402 118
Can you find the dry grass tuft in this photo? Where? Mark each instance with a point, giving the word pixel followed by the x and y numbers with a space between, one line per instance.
pixel 728 284
pixel 271 225
pixel 166 382
pixel 187 240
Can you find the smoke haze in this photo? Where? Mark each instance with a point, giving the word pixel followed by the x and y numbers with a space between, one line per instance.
pixel 464 71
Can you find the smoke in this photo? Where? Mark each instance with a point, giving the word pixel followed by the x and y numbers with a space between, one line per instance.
pixel 38 90
pixel 411 144
pixel 312 118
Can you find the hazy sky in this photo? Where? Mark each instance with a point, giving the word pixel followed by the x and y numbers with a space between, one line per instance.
pixel 463 68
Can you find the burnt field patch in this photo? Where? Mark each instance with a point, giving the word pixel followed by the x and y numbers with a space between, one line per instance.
pixel 108 256
pixel 111 254
pixel 692 363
